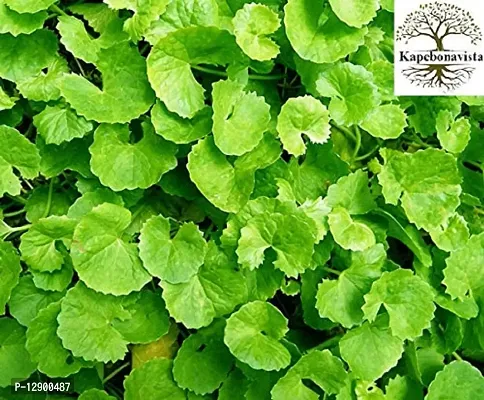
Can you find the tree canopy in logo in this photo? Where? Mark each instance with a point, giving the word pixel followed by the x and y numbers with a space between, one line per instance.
pixel 439 21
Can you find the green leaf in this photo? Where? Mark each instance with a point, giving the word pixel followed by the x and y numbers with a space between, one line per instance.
pixel 24 56
pixel 40 245
pixel 235 387
pixel 403 388
pixel 102 258
pixel 256 330
pixel 181 130
pixel 145 12
pixel 215 290
pixel 203 361
pixel 448 383
pixel 350 235
pixel 73 155
pixel 84 204
pixel 149 319
pixel 302 115
pixel 154 381
pixel 427 183
pixel 16 152
pixel 16 23
pixel 355 13
pixel 321 367
pixel 56 281
pixel 224 185
pixel 317 35
pixel 408 235
pixel 99 16
pixel 172 260
pixel 341 300
pixel 452 235
pixel 27 300
pixel 98 340
pixel 15 362
pixel 9 272
pixel 290 236
pixel 29 6
pixel 235 112
pixel 320 168
pixel 6 102
pixel 407 299
pixel 45 347
pixel 352 91
pixel 171 58
pixel 427 108
pixel 119 63
pixel 385 122
pixel 181 14
pixel 386 350
pixel 44 86
pixel 95 394
pixel 74 37
pixel 453 135
pixel 38 202
pixel 121 165
pixel 252 26
pixel 463 274
pixel 351 192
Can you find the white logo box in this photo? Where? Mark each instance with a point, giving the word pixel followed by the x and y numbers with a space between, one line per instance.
pixel 444 62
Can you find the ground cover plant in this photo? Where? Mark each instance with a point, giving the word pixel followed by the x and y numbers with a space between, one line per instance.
pixel 207 199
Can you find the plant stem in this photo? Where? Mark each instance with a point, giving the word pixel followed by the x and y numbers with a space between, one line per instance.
pixel 332 270
pixel 57 9
pixel 344 130
pixel 13 230
pixel 115 372
pixel 474 164
pixel 254 77
pixel 14 213
pixel 49 198
pixel 357 142
pixel 18 199
pixel 456 356
pixel 420 141
pixel 328 343
pixel 80 67
pixel 369 154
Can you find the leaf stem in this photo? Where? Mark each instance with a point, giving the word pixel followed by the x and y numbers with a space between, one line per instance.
pixel 254 77
pixel 328 343
pixel 18 199
pixel 456 356
pixel 58 10
pixel 116 371
pixel 357 142
pixel 474 164
pixel 80 67
pixel 11 230
pixel 420 141
pixel 369 154
pixel 49 198
pixel 332 270
pixel 344 130
pixel 14 213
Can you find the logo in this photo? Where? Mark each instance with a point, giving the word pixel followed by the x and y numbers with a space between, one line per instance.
pixel 439 48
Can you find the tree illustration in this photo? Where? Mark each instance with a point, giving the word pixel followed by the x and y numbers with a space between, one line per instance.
pixel 438 21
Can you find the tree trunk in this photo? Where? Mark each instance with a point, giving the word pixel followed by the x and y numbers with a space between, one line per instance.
pixel 439 43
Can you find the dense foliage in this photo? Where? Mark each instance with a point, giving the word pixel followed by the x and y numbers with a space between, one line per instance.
pixel 208 199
